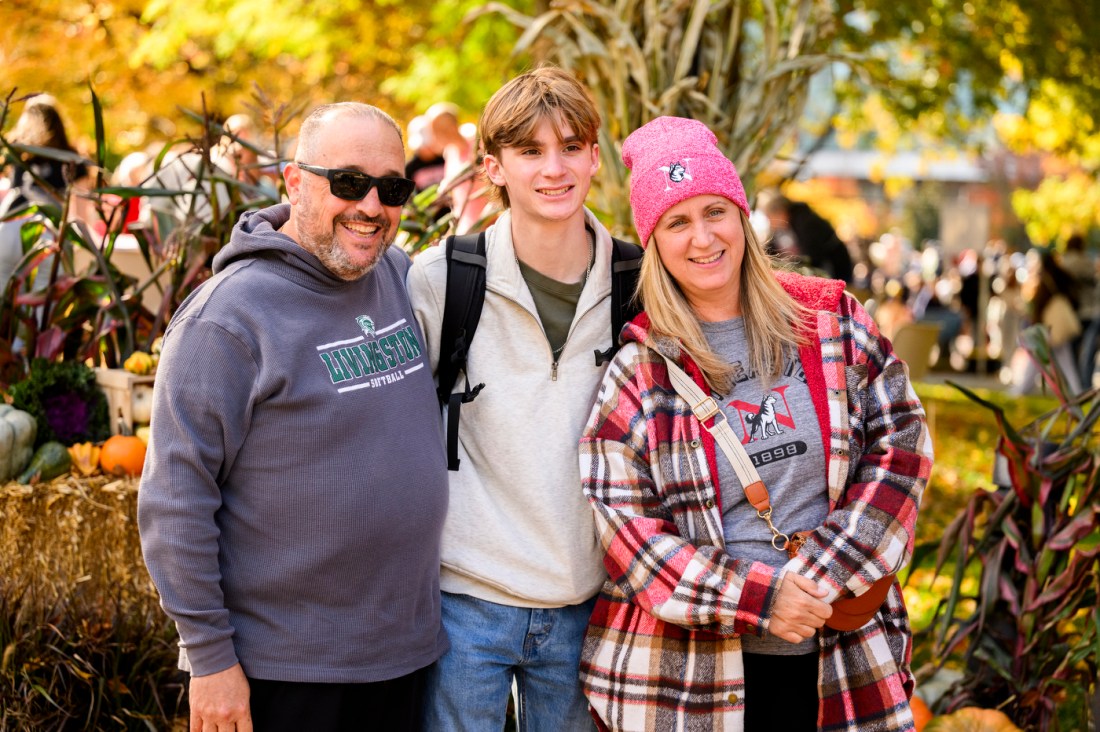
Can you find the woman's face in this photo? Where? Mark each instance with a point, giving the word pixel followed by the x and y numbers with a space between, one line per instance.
pixel 701 243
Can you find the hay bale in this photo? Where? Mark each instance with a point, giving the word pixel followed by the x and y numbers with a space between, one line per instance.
pixel 82 614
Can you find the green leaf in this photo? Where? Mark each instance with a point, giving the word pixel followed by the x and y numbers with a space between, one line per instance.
pixel 990 594
pixel 1009 431
pixel 949 540
pixel 1038 525
pixel 52 153
pixel 100 136
pixel 1079 527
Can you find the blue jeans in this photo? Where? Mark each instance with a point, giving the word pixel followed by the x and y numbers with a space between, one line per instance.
pixel 467 689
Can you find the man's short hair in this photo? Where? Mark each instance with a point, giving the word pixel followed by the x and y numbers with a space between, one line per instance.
pixel 310 131
pixel 516 109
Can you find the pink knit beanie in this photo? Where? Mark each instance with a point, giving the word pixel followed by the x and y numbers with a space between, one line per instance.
pixel 672 159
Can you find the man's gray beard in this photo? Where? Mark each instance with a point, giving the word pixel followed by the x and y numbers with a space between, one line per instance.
pixel 337 261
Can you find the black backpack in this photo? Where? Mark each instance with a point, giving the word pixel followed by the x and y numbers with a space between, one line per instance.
pixel 462 311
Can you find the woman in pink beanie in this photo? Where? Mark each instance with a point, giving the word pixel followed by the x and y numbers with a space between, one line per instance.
pixel 749 589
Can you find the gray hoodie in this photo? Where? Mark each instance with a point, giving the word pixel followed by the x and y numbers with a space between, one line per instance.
pixel 295 488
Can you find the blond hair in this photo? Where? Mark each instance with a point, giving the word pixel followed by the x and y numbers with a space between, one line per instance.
pixel 772 317
pixel 516 109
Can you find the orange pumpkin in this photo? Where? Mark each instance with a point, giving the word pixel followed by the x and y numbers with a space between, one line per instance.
pixel 972 719
pixel 921 713
pixel 122 455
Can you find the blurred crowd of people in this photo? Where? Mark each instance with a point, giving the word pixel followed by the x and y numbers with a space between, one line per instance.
pixel 982 298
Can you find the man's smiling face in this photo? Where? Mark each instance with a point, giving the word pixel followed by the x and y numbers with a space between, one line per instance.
pixel 349 237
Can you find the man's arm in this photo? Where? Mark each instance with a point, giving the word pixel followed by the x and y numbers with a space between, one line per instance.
pixel 201 407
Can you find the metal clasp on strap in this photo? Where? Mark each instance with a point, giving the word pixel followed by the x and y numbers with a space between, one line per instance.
pixel 777 535
pixel 706 409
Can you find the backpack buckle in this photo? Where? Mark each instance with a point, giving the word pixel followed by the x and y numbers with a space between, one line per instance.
pixel 470 394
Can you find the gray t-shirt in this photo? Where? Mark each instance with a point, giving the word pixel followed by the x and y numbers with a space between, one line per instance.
pixel 780 432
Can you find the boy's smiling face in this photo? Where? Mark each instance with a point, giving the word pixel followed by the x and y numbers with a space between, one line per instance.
pixel 547 178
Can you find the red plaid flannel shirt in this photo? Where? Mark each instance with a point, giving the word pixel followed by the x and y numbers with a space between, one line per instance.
pixel 663 649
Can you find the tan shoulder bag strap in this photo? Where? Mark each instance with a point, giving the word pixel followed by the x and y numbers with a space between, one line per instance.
pixel 704 407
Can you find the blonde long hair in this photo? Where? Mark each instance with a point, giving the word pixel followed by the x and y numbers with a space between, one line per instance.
pixel 771 316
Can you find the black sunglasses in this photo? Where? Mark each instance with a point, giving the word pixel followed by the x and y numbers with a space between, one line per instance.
pixel 351 185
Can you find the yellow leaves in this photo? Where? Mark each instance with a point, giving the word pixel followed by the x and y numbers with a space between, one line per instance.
pixel 1011 65
pixel 1053 123
pixel 895 187
pixel 1059 207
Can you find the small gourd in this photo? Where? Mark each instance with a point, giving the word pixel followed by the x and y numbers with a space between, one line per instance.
pixel 17 432
pixel 141 404
pixel 972 719
pixel 139 363
pixel 49 461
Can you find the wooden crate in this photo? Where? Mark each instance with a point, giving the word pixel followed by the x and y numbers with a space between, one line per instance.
pixel 118 385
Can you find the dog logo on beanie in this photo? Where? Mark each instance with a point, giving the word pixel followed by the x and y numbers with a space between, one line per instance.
pixel 677 172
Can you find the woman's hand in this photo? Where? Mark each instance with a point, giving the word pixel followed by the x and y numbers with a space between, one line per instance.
pixel 798 612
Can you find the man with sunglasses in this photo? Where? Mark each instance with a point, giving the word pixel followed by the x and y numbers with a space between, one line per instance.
pixel 295 489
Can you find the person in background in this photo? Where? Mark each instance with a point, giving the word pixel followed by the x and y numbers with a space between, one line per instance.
pixel 295 487
pixel 800 231
pixel 120 214
pixel 37 178
pixel 33 179
pixel 712 617
pixel 893 312
pixel 468 198
pixel 426 164
pixel 1083 269
pixel 234 151
pixel 1052 302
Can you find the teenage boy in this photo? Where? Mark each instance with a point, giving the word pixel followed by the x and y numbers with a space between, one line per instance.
pixel 520 560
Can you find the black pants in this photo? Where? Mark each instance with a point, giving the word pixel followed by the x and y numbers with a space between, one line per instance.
pixel 285 706
pixel 780 693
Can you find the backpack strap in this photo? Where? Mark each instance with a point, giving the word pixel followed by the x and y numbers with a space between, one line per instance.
pixel 626 262
pixel 461 313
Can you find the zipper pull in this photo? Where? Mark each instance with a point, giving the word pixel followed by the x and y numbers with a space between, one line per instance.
pixel 554 371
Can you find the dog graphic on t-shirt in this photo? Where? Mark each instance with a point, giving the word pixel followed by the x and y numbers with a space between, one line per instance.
pixel 764 424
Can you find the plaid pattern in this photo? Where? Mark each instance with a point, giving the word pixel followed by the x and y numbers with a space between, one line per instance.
pixel 663 650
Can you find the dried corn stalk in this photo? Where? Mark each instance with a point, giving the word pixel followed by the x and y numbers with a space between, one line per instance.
pixel 741 67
